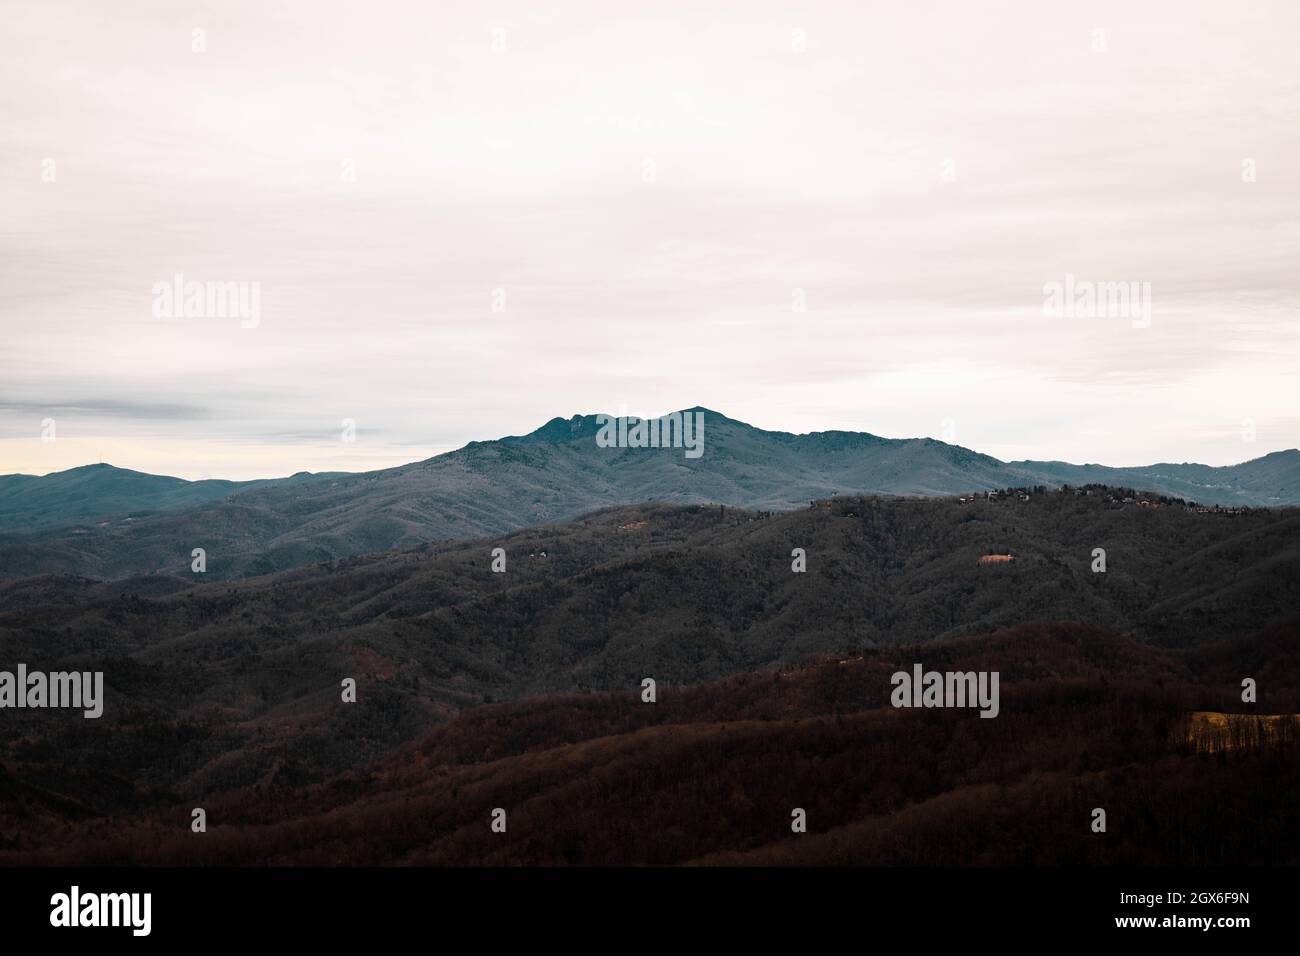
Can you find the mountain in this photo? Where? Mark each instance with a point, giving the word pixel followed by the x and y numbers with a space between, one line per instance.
pixel 29 503
pixel 558 472
pixel 1266 482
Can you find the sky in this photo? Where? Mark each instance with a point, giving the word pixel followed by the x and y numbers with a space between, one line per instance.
pixel 458 221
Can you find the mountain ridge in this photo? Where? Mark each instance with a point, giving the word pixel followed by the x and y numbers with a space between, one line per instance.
pixel 554 473
pixel 87 492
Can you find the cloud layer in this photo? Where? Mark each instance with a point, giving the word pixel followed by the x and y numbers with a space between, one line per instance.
pixel 464 222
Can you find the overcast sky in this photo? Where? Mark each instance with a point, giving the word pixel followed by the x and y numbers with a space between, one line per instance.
pixel 465 219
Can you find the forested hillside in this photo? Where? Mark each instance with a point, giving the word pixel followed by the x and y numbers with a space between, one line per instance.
pixel 712 773
pixel 216 684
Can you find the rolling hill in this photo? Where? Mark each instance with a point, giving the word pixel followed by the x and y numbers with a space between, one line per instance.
pixel 31 503
pixel 710 774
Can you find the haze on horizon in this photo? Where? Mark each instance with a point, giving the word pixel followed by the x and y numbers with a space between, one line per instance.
pixel 804 216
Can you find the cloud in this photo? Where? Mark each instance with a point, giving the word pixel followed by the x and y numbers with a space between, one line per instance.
pixel 148 411
pixel 645 194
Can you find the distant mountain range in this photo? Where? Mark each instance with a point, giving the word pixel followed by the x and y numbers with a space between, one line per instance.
pixel 31 503
pixel 108 523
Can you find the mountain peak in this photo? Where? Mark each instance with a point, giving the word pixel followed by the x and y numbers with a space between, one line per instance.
pixel 87 469
pixel 587 426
